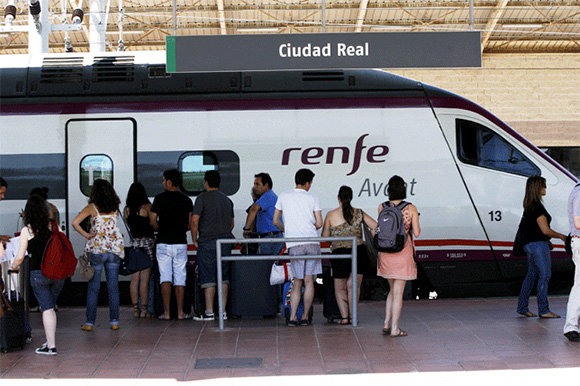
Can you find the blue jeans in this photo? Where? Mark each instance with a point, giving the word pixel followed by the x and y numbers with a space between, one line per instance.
pixel 271 248
pixel 111 263
pixel 540 270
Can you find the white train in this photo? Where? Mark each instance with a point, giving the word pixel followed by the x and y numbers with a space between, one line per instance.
pixel 67 119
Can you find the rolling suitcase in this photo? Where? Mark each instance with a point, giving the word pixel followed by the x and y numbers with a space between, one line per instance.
pixel 251 295
pixel 193 290
pixel 12 331
pixel 286 290
pixel 330 308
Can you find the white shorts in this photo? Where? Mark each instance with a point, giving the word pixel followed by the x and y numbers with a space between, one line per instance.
pixel 305 267
pixel 172 259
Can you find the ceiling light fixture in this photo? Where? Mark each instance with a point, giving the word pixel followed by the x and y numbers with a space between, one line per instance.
pixel 386 27
pixel 276 29
pixel 523 25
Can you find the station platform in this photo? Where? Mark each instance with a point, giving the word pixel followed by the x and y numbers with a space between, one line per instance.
pixel 451 341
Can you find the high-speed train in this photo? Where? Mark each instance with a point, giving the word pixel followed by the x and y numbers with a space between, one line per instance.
pixel 67 119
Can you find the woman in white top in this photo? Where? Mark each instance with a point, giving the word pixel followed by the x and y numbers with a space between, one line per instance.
pixel 105 248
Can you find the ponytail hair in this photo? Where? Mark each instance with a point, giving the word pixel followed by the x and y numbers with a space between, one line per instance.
pixel 345 197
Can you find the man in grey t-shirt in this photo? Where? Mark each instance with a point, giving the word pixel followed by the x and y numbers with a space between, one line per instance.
pixel 213 218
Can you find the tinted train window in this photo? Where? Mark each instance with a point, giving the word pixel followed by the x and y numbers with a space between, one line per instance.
pixel 478 145
pixel 193 163
pixel 193 166
pixel 567 156
pixel 93 167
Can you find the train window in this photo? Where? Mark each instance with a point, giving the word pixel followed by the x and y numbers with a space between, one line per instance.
pixel 193 166
pixel 567 156
pixel 480 146
pixel 93 167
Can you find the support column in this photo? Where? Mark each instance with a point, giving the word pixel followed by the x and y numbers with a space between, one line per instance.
pixel 38 35
pixel 98 26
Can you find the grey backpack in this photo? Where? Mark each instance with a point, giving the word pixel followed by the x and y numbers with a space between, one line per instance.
pixel 391 235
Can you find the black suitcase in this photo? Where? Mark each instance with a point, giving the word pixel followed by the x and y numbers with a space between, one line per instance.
pixel 12 331
pixel 330 308
pixel 193 291
pixel 251 295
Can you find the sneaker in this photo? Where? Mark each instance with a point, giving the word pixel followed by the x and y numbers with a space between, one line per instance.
pixel 225 315
pixel 204 317
pixel 573 336
pixel 44 350
pixel 28 339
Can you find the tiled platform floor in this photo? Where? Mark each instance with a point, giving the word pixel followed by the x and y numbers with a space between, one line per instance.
pixel 444 335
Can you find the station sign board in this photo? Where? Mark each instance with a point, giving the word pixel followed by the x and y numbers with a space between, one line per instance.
pixel 323 51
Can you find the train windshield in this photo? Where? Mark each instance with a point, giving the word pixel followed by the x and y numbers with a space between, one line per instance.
pixel 477 145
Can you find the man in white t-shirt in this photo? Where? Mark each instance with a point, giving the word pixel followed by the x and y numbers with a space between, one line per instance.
pixel 573 308
pixel 302 218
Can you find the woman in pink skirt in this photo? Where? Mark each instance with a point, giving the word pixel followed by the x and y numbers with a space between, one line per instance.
pixel 398 267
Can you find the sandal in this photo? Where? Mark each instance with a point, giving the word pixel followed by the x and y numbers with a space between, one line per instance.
pixel 136 311
pixel 401 333
pixel 342 322
pixel 386 331
pixel 144 313
pixel 550 315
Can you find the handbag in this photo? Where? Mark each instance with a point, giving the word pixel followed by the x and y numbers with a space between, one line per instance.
pixel 85 268
pixel 518 249
pixel 372 253
pixel 135 258
pixel 568 244
pixel 280 274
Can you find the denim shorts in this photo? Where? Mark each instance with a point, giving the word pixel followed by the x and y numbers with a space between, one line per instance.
pixel 45 290
pixel 207 263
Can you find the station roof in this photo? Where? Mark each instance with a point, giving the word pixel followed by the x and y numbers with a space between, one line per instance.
pixel 506 26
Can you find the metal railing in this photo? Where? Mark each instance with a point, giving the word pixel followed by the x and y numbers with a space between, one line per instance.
pixel 220 258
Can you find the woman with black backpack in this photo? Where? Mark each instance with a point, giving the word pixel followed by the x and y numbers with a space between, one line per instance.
pixel 398 267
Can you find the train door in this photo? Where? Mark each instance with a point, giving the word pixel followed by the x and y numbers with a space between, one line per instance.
pixel 97 148
pixel 495 171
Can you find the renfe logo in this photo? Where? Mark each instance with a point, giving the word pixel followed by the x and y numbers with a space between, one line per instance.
pixel 314 155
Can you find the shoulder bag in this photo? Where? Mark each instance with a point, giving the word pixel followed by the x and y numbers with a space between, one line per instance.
pixel 372 253
pixel 85 268
pixel 518 249
pixel 135 259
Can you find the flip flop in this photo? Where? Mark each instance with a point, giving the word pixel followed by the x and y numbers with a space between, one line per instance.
pixel 550 315
pixel 528 314
pixel 400 334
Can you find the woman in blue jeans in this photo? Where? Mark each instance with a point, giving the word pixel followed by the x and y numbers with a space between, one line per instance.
pixel 105 248
pixel 537 234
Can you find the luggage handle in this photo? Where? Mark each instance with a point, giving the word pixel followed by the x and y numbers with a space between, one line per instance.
pixel 13 285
